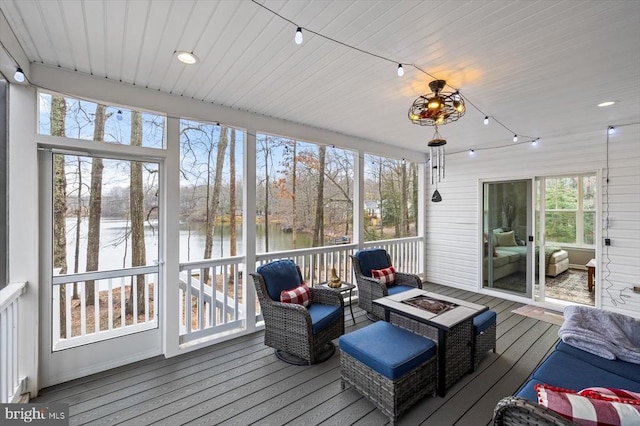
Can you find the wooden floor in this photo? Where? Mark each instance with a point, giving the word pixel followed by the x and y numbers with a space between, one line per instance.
pixel 241 382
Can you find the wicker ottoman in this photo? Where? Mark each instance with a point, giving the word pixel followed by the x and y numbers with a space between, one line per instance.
pixel 392 367
pixel 484 336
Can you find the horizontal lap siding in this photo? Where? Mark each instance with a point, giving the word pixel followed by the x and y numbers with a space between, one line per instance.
pixel 452 225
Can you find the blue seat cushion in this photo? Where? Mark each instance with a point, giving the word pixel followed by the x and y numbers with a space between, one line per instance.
pixel 566 371
pixel 528 390
pixel 323 316
pixel 372 259
pixel 279 275
pixel 395 289
pixel 388 349
pixel 483 321
pixel 619 367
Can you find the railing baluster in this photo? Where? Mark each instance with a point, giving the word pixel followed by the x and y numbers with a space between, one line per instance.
pixel 96 307
pixel 134 298
pixel 123 304
pixel 67 309
pixel 110 302
pixel 83 312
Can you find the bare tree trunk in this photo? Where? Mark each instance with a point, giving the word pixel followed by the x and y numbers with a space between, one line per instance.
pixel 232 201
pixel 294 230
pixel 95 208
pixel 214 199
pixel 318 226
pixel 136 212
pixel 58 114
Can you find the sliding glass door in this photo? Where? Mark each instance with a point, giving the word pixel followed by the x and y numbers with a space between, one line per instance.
pixel 507 238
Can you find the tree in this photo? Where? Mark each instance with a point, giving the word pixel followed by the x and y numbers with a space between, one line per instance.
pixel 213 197
pixel 318 228
pixel 95 207
pixel 58 114
pixel 136 212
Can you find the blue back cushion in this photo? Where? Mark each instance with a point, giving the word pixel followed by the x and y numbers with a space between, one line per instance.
pixel 372 259
pixel 279 275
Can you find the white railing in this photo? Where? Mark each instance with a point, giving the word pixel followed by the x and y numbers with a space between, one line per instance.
pixel 11 384
pixel 316 263
pixel 406 253
pixel 205 311
pixel 113 310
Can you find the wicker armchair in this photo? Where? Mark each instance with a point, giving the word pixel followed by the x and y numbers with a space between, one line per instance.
pixel 369 288
pixel 514 411
pixel 300 335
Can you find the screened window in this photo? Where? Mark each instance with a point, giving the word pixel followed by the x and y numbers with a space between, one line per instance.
pixel 210 190
pixel 304 194
pixel 391 198
pixel 87 120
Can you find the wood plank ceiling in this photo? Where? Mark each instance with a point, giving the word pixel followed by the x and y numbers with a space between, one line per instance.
pixel 539 67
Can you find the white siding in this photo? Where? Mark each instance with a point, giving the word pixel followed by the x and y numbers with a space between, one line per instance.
pixel 453 229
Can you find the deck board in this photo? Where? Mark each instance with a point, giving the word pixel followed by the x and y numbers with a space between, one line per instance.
pixel 241 382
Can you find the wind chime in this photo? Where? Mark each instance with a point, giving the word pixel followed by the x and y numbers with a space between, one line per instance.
pixel 436 163
pixel 433 109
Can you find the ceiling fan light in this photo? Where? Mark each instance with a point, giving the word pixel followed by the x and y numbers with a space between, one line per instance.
pixel 458 106
pixel 435 103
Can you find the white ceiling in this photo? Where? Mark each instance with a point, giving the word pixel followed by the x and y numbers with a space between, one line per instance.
pixel 539 67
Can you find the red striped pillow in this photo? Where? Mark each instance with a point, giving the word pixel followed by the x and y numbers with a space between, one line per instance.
pixel 300 295
pixel 387 275
pixel 587 411
pixel 612 394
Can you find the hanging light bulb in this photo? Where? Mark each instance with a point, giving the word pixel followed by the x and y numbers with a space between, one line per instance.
pixel 119 115
pixel 515 138
pixel 400 70
pixel 472 151
pixel 535 141
pixel 19 75
pixel 611 130
pixel 486 120
pixel 298 37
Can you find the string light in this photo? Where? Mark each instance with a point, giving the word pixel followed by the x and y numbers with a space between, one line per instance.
pixel 472 151
pixel 400 70
pixel 535 141
pixel 611 130
pixel 119 115
pixel 486 120
pixel 298 37
pixel 515 138
pixel 19 75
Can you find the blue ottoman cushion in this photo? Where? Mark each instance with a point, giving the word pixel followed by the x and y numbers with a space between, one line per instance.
pixel 483 321
pixel 388 349
pixel 323 316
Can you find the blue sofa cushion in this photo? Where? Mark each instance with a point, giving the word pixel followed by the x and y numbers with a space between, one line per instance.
pixel 619 367
pixel 528 390
pixel 323 316
pixel 483 321
pixel 279 275
pixel 566 371
pixel 388 349
pixel 372 259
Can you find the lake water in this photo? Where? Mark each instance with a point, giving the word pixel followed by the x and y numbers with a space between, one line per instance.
pixel 115 250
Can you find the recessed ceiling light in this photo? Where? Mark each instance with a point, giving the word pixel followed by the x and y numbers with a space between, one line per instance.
pixel 606 103
pixel 186 57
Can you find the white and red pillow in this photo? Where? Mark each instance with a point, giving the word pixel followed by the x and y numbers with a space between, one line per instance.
pixel 386 276
pixel 588 411
pixel 300 295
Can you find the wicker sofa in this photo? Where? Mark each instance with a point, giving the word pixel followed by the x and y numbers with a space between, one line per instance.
pixel 566 367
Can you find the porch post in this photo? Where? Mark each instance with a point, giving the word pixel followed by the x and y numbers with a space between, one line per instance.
pixel 169 275
pixel 358 199
pixel 249 228
pixel 422 215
